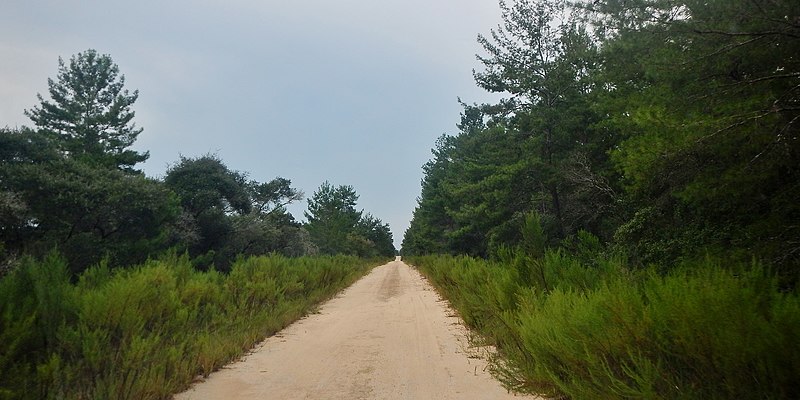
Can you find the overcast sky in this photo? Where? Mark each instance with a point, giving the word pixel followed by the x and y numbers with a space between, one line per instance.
pixel 350 91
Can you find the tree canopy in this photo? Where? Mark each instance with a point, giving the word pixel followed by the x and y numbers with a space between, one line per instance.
pixel 666 129
pixel 336 227
pixel 227 215
pixel 69 185
pixel 89 112
pixel 86 212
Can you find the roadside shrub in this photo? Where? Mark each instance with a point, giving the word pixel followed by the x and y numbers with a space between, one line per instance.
pixel 701 331
pixel 146 332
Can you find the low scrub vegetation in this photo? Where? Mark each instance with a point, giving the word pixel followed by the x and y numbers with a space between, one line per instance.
pixel 146 332
pixel 586 326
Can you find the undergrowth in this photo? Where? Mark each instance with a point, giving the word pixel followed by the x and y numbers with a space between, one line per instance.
pixel 146 332
pixel 582 327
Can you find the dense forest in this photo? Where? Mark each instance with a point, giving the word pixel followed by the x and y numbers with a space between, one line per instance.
pixel 667 129
pixel 625 222
pixel 70 183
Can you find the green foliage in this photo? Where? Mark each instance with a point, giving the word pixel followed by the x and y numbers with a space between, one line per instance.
pixel 701 331
pixel 378 237
pixel 705 95
pixel 206 185
pixel 225 215
pixel 146 332
pixel 89 115
pixel 271 197
pixel 336 227
pixel 71 185
pixel 536 151
pixel 533 239
pixel 667 129
pixel 332 216
pixel 86 211
pixel 430 221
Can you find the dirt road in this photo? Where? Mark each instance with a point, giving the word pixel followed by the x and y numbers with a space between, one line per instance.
pixel 388 336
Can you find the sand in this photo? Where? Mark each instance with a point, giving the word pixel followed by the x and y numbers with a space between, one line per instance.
pixel 388 336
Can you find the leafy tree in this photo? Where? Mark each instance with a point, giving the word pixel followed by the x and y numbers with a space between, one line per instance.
pixel 251 235
pixel 89 113
pixel 336 227
pixel 705 94
pixel 85 211
pixel 268 227
pixel 19 149
pixel 273 196
pixel 485 181
pixel 667 127
pixel 535 151
pixel 226 215
pixel 378 235
pixel 209 192
pixel 430 221
pixel 296 241
pixel 542 57
pixel 206 183
pixel 466 191
pixel 332 216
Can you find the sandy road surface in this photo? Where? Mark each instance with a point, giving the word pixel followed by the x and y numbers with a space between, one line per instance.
pixel 386 337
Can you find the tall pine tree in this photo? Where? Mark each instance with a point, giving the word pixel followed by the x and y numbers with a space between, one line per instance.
pixel 89 114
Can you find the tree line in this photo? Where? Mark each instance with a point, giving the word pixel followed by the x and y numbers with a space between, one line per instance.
pixel 667 129
pixel 71 184
pixel 624 223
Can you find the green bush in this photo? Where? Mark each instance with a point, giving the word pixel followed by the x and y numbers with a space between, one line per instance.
pixel 146 332
pixel 701 331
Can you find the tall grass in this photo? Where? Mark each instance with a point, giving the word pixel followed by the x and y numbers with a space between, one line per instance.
pixel 588 328
pixel 145 333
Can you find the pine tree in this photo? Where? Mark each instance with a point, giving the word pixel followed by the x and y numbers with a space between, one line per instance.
pixel 89 114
